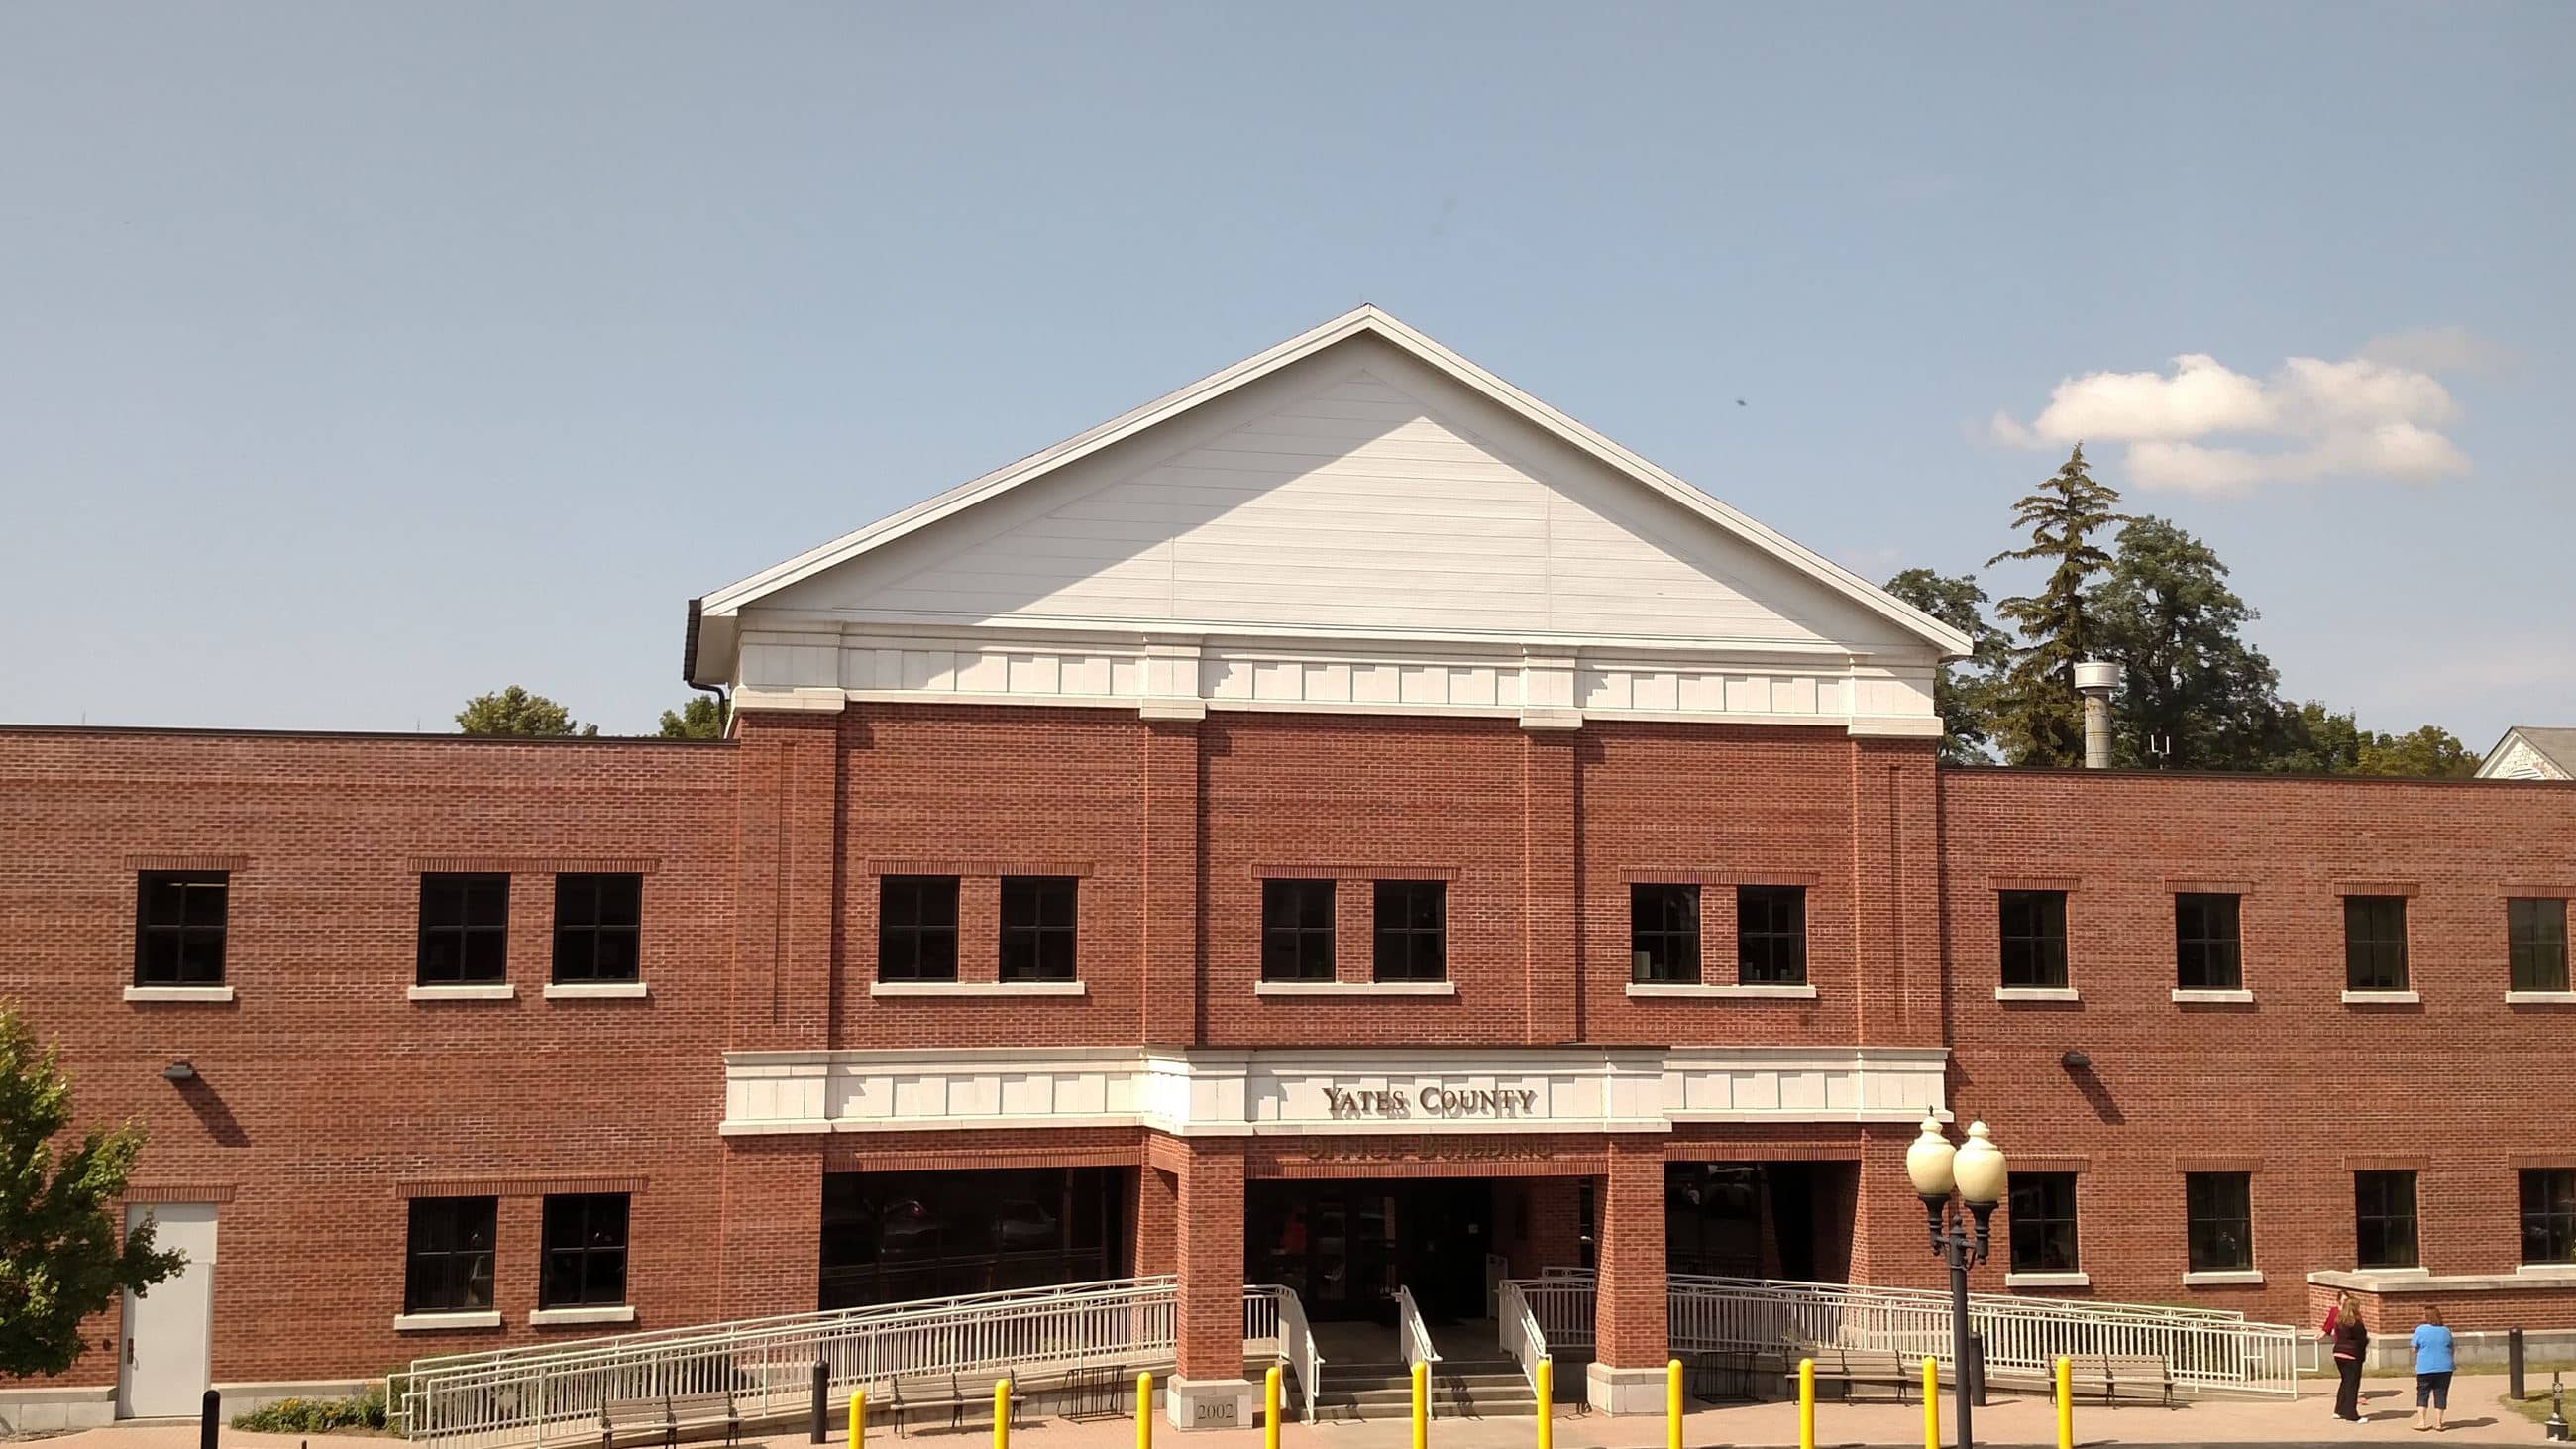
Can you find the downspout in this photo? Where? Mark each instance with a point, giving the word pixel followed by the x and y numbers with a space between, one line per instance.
pixel 689 668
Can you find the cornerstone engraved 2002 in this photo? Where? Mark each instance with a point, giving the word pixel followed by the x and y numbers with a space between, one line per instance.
pixel 1433 1100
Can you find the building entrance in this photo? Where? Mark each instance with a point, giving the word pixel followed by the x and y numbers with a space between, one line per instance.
pixel 1345 1247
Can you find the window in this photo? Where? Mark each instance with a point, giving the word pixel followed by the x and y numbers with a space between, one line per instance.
pixel 598 922
pixel 1037 928
pixel 1412 930
pixel 2549 1215
pixel 2218 1210
pixel 179 927
pixel 2536 938
pixel 448 1267
pixel 1663 933
pixel 464 929
pixel 2374 943
pixel 2207 952
pixel 585 1251
pixel 1771 935
pixel 2383 1219
pixel 1296 930
pixel 2042 1215
pixel 2033 925
pixel 917 928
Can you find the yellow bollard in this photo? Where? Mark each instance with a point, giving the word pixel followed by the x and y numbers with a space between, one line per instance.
pixel 1673 1404
pixel 1145 1411
pixel 1270 1408
pixel 858 1417
pixel 2066 1403
pixel 1002 1413
pixel 1806 1403
pixel 1421 1405
pixel 1546 1402
pixel 1931 1404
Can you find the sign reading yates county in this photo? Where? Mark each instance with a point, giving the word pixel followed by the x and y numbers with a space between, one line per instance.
pixel 1434 1100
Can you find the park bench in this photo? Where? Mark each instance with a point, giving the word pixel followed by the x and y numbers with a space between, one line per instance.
pixel 936 1393
pixel 1846 1372
pixel 2116 1378
pixel 667 1415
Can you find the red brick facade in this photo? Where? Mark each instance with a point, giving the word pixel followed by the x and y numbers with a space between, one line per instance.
pixel 324 1097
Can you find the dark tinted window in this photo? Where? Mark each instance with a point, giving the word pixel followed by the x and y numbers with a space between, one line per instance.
pixel 1412 930
pixel 1663 933
pixel 2383 1219
pixel 1296 930
pixel 179 927
pixel 2549 1215
pixel 598 926
pixel 1771 935
pixel 2207 955
pixel 464 929
pixel 585 1251
pixel 2536 940
pixel 448 1265
pixel 1037 927
pixel 2042 1214
pixel 2219 1219
pixel 917 928
pixel 2033 927
pixel 2374 943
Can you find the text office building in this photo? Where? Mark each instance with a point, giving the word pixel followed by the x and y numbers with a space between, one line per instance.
pixel 1344 824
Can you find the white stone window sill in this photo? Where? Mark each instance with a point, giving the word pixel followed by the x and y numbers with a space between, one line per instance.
pixel 1355 988
pixel 614 1313
pixel 2048 1280
pixel 2036 993
pixel 2511 998
pixel 202 993
pixel 2236 1278
pixel 478 991
pixel 595 990
pixel 977 988
pixel 443 1322
pixel 2204 996
pixel 2382 998
pixel 1722 989
pixel 2546 1270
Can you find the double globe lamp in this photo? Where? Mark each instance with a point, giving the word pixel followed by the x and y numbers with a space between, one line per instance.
pixel 1976 1173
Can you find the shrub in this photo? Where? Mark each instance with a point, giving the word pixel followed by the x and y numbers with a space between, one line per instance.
pixel 317 1416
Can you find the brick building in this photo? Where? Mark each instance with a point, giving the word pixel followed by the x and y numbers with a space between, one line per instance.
pixel 1343 824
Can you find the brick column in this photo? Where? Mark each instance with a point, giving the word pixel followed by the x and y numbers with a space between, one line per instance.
pixel 1629 1331
pixel 788 824
pixel 1168 936
pixel 1208 1386
pixel 1157 1221
pixel 1551 986
pixel 772 1230
pixel 1896 892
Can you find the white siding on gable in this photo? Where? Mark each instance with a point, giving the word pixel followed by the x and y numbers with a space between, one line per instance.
pixel 2519 761
pixel 1360 498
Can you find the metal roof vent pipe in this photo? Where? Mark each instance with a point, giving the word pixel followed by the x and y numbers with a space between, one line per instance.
pixel 2095 679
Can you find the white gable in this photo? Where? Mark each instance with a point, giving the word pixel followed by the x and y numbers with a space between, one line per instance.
pixel 1359 527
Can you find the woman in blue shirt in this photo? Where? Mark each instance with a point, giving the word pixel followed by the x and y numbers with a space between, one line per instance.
pixel 2432 1371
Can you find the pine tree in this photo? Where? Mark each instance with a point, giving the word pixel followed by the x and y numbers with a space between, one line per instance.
pixel 62 1256
pixel 2039 719
pixel 2168 618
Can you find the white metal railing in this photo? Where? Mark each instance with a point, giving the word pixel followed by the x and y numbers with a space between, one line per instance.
pixel 1523 1336
pixel 544 1392
pixel 1560 1304
pixel 1412 1337
pixel 2207 1351
pixel 1296 1343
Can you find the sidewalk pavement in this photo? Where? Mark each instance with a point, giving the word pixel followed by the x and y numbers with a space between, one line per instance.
pixel 2477 1417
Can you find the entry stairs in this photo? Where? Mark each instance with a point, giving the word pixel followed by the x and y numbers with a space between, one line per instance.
pixel 1082 1341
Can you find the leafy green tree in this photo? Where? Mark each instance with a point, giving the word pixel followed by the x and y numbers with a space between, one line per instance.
pixel 1964 692
pixel 2038 717
pixel 700 719
pixel 62 1257
pixel 2315 740
pixel 2428 751
pixel 514 711
pixel 2167 617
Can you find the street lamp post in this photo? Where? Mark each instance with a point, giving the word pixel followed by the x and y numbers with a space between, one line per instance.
pixel 1976 1172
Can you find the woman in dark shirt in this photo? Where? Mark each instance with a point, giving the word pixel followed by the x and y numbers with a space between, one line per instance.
pixel 2351 1342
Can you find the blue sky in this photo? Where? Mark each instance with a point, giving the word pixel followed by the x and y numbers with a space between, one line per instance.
pixel 355 359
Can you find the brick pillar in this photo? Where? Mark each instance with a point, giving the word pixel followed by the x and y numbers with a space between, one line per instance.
pixel 1157 1219
pixel 1208 1386
pixel 773 1225
pixel 1889 1246
pixel 1551 984
pixel 1896 893
pixel 1168 936
pixel 1630 1338
pixel 788 831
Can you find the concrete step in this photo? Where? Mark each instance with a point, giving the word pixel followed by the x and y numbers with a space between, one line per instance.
pixel 1485 1389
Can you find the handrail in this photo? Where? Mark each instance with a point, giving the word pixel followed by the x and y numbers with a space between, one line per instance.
pixel 1297 1345
pixel 1412 1338
pixel 1523 1338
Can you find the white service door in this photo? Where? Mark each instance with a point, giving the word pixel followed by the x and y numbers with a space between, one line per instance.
pixel 167 1330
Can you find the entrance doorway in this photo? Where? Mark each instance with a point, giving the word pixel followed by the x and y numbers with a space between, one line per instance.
pixel 169 1327
pixel 1345 1247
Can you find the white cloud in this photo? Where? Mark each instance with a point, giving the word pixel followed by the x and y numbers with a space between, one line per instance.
pixel 2206 428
